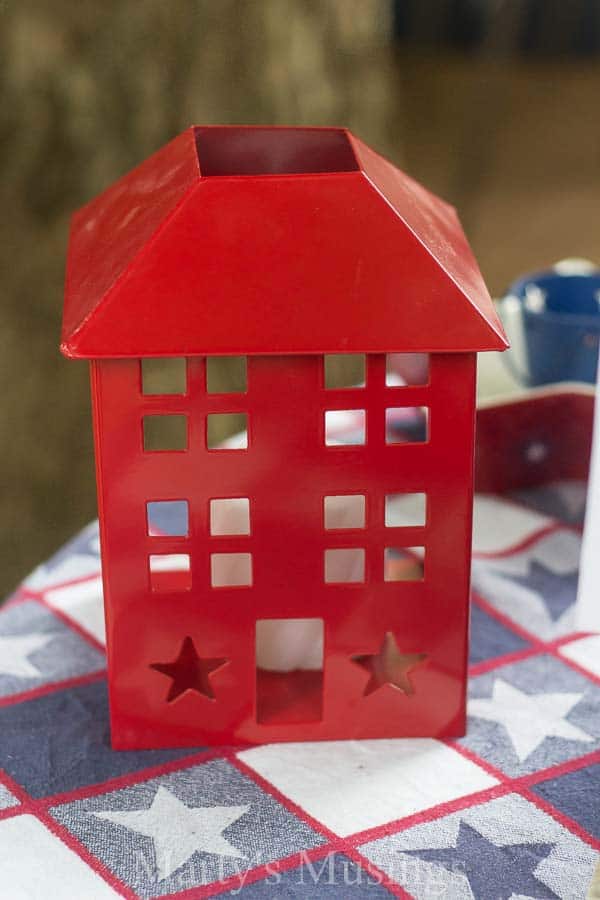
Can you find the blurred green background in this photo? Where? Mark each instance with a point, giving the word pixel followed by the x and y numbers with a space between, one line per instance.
pixel 492 105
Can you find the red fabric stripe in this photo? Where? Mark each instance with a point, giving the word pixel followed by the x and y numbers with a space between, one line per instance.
pixel 53 686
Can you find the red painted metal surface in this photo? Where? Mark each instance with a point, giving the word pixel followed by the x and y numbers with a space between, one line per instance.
pixel 171 261
pixel 286 471
pixel 279 245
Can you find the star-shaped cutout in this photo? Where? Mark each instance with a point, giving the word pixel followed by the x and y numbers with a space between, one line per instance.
pixel 189 672
pixel 15 651
pixel 178 831
pixel 529 719
pixel 389 666
pixel 501 872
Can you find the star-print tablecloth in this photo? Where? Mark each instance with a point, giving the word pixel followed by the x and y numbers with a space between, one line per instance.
pixel 510 811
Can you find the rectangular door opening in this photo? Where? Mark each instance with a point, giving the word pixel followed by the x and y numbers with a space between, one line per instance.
pixel 289 671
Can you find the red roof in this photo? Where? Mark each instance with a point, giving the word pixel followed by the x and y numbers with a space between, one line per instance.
pixel 271 240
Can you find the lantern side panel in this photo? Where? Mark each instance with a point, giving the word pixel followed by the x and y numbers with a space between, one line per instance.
pixel 182 631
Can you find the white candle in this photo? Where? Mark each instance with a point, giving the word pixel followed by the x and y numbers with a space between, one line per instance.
pixel 588 597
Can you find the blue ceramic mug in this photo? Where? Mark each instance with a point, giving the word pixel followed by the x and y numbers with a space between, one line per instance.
pixel 553 321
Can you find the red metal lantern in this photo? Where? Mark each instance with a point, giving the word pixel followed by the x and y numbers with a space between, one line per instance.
pixel 282 246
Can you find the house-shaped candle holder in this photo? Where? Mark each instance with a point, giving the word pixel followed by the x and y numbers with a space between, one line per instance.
pixel 309 578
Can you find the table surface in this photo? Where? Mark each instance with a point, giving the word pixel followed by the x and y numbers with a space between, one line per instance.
pixel 510 810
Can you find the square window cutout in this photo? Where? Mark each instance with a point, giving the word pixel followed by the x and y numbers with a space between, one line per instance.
pixel 164 376
pixel 345 565
pixel 405 510
pixel 167 517
pixel 344 511
pixel 231 569
pixel 220 426
pixel 170 572
pixel 226 374
pixel 289 670
pixel 344 370
pixel 407 425
pixel 230 516
pixel 402 369
pixel 165 432
pixel 404 564
pixel 345 427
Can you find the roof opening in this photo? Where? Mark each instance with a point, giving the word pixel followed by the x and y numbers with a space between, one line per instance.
pixel 273 151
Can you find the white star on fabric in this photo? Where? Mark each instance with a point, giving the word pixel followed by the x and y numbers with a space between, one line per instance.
pixel 15 651
pixel 529 718
pixel 177 831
